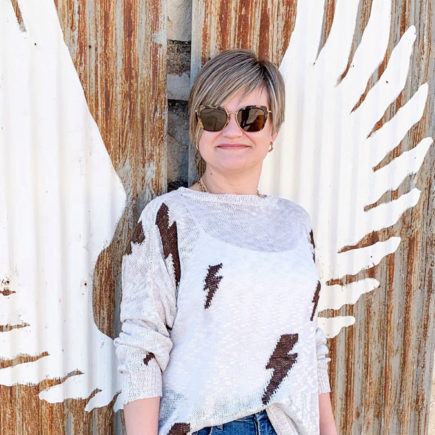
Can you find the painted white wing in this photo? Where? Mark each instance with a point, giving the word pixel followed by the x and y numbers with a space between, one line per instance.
pixel 61 200
pixel 325 155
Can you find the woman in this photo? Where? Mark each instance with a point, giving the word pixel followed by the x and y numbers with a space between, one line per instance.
pixel 220 286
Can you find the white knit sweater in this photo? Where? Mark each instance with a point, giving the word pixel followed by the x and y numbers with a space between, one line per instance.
pixel 219 312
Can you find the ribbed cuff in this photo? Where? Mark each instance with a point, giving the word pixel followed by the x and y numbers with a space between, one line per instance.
pixel 323 380
pixel 141 384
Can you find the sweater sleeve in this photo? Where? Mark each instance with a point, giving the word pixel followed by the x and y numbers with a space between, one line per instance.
pixel 321 344
pixel 148 307
pixel 322 361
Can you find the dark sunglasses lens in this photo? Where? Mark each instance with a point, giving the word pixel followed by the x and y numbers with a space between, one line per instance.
pixel 212 119
pixel 252 118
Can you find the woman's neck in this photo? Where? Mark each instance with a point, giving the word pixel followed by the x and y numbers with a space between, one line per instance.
pixel 215 182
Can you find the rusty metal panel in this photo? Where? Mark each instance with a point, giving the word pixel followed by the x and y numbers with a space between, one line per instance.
pixel 82 149
pixel 356 151
pixel 260 25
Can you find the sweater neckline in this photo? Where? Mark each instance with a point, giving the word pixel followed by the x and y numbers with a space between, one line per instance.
pixel 232 198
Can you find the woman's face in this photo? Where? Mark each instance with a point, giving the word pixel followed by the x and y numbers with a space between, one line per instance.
pixel 233 150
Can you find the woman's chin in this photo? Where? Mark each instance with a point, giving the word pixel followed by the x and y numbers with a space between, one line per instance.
pixel 236 165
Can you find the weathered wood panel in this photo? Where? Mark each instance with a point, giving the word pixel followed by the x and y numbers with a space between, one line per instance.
pixel 381 366
pixel 119 51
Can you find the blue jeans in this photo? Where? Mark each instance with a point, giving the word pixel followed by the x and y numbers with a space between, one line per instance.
pixel 254 424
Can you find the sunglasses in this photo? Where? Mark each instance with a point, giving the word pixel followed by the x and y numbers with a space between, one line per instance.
pixel 249 118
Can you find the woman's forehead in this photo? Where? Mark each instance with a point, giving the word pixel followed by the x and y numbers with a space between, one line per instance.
pixel 257 96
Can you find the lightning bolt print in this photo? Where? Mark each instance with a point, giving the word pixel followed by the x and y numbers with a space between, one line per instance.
pixel 313 245
pixel 211 283
pixel 148 358
pixel 137 237
pixel 179 429
pixel 281 363
pixel 315 300
pixel 169 237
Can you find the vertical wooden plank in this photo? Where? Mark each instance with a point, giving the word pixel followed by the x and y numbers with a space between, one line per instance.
pixel 119 51
pixel 381 367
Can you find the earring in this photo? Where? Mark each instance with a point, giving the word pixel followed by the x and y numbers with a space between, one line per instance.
pixel 271 146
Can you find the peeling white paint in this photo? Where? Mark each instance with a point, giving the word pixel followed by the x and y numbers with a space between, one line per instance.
pixel 333 325
pixel 61 201
pixel 324 155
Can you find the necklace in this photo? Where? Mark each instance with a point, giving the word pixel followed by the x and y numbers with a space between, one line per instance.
pixel 204 189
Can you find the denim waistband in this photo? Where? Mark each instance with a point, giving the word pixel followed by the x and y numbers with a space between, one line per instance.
pixel 257 416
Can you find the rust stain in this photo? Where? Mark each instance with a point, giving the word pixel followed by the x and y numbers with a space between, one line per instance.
pixel 21 359
pixel 349 369
pixel 261 26
pixel 18 15
pixel 6 328
pixel 363 15
pixel 389 346
pixel 93 393
pixel 406 357
pixel 5 289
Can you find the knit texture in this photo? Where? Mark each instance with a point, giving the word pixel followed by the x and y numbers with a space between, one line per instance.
pixel 219 312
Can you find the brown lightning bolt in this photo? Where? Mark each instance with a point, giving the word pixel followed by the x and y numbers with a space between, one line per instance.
pixel 281 363
pixel 212 283
pixel 315 300
pixel 179 429
pixel 137 237
pixel 168 234
pixel 148 358
pixel 313 245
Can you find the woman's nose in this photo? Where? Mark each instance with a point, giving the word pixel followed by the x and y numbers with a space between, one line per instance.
pixel 232 128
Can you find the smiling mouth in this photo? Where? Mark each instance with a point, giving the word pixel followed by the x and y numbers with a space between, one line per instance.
pixel 232 147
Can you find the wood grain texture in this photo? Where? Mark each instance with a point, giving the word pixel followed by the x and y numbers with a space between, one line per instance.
pixel 381 367
pixel 119 51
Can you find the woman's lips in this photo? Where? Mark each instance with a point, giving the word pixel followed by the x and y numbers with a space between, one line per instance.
pixel 232 146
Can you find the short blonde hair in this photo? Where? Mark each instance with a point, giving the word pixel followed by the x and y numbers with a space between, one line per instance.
pixel 228 73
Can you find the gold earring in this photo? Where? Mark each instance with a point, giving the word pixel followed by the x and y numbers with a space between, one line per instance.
pixel 271 146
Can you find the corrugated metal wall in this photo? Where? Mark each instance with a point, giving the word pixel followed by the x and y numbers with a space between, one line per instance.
pixel 128 58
